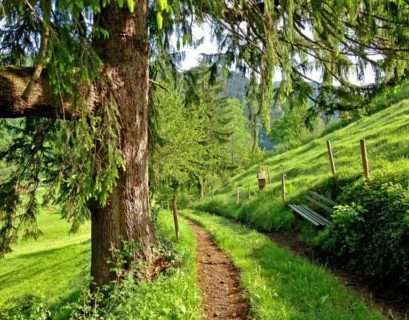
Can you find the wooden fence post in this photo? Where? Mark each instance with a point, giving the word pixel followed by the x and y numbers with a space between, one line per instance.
pixel 283 191
pixel 175 216
pixel 238 195
pixel 331 158
pixel 364 155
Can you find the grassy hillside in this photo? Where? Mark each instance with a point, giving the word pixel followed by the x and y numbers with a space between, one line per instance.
pixel 307 167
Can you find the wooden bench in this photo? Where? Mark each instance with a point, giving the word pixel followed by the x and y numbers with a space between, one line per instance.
pixel 309 213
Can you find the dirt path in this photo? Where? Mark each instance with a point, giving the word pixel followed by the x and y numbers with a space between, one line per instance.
pixel 219 280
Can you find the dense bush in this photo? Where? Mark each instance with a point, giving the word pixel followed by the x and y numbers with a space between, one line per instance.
pixel 371 228
pixel 334 186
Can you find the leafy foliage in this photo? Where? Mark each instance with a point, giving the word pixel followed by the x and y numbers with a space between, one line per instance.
pixel 290 131
pixel 291 37
pixel 199 137
pixel 371 230
pixel 62 155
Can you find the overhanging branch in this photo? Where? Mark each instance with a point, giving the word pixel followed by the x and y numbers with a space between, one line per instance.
pixel 41 102
pixel 13 82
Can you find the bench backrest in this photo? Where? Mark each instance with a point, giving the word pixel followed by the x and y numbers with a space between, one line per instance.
pixel 317 200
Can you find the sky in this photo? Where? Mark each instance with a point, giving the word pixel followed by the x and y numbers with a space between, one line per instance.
pixel 207 47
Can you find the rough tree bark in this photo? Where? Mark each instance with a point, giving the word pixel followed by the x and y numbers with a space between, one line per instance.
pixel 13 82
pixel 41 102
pixel 125 78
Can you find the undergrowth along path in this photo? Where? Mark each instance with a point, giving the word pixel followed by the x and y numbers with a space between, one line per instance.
pixel 219 280
pixel 280 285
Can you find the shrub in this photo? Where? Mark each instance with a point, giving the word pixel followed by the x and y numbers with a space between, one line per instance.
pixel 371 230
pixel 334 186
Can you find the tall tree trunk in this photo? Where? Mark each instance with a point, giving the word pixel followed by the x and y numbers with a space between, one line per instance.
pixel 125 55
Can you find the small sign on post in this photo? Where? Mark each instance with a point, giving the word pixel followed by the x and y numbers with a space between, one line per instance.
pixel 261 178
pixel 331 158
pixel 365 163
pixel 283 190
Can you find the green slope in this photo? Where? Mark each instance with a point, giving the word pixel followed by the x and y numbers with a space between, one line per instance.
pixel 387 135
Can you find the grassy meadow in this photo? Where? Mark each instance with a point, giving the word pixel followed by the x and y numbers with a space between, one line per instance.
pixel 55 266
pixel 307 167
pixel 278 284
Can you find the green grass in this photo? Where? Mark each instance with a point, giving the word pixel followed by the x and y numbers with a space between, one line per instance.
pixel 279 284
pixel 308 166
pixel 54 266
pixel 175 295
